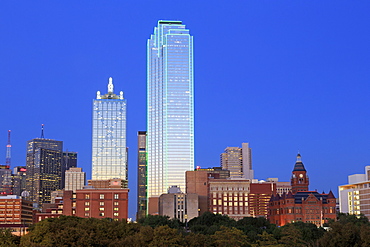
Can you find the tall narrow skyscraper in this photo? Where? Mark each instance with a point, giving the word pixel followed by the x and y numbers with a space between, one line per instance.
pixel 109 154
pixel 141 175
pixel 170 111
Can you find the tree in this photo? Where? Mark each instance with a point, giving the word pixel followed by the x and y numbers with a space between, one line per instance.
pixel 341 235
pixel 292 236
pixel 166 236
pixel 230 237
pixel 208 223
pixel 8 239
pixel 266 239
pixel 253 227
pixel 159 220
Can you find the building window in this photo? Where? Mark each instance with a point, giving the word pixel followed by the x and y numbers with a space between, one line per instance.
pixel 115 203
pixel 116 196
pixel 101 196
pixel 87 214
pixel 115 209
pixel 101 209
pixel 101 203
pixel 87 209
pixel 101 214
pixel 87 196
pixel 115 214
pixel 87 203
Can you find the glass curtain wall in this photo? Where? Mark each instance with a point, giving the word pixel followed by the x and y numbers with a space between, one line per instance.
pixel 109 157
pixel 170 110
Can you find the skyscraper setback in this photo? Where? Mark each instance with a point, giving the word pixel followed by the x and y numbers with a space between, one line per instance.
pixel 109 153
pixel 170 111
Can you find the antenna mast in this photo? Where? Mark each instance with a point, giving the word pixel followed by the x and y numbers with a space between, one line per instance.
pixel 8 151
pixel 42 131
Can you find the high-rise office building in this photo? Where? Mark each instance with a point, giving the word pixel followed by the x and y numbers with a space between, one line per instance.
pixel 75 179
pixel 170 110
pixel 109 153
pixel 141 175
pixel 69 160
pixel 238 161
pixel 44 169
pixel 19 180
pixel 5 180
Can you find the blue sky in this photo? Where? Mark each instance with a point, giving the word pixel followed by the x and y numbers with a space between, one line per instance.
pixel 281 75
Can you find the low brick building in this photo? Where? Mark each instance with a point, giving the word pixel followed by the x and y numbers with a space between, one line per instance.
pixel 102 203
pixel 15 213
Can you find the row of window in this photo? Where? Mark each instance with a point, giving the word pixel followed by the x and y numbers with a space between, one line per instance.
pixel 102 209
pixel 102 196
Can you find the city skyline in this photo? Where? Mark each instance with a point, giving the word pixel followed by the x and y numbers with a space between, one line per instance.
pixel 281 76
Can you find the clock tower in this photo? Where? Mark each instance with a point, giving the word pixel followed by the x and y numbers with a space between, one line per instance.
pixel 299 180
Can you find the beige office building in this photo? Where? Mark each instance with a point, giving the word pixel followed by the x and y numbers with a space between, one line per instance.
pixel 238 161
pixel 354 197
pixel 178 205
pixel 74 179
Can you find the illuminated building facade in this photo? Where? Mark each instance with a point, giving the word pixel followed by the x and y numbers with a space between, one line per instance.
pixel 44 169
pixel 354 197
pixel 69 160
pixel 197 182
pixel 109 153
pixel 141 176
pixel 5 180
pixel 75 179
pixel 300 204
pixel 170 109
pixel 15 214
pixel 19 180
pixel 238 161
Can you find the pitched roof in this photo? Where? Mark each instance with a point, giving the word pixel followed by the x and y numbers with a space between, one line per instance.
pixel 298 164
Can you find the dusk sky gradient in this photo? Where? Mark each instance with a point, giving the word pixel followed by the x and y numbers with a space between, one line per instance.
pixel 281 75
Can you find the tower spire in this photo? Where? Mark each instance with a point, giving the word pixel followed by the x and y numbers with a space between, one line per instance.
pixel 110 85
pixel 8 151
pixel 42 131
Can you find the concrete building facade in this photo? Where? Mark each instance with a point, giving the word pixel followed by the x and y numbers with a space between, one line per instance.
pixel 75 179
pixel 354 197
pixel 177 205
pixel 238 161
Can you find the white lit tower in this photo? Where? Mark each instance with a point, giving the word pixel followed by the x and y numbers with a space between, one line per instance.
pixel 109 152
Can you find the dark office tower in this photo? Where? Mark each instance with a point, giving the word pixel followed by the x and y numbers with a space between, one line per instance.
pixel 69 160
pixel 142 176
pixel 5 180
pixel 19 180
pixel 44 169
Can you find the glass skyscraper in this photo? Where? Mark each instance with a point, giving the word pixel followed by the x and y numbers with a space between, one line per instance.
pixel 109 153
pixel 44 169
pixel 170 110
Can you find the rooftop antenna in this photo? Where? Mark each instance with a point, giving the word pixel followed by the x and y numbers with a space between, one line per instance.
pixel 8 151
pixel 110 85
pixel 42 131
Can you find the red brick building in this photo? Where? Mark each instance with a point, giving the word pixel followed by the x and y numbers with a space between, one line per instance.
pixel 102 203
pixel 301 204
pixel 15 213
pixel 108 202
